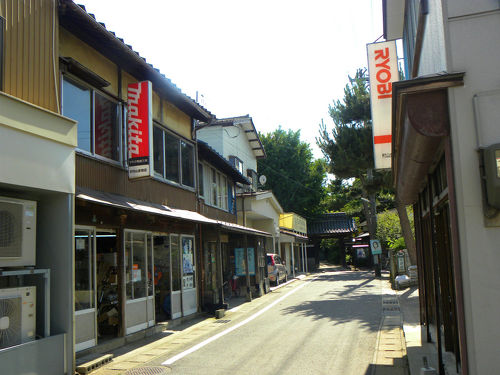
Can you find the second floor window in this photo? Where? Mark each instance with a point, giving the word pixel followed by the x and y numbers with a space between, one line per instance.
pixel 99 119
pixel 173 157
pixel 236 163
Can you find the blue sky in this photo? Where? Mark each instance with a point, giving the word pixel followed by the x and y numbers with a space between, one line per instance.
pixel 281 62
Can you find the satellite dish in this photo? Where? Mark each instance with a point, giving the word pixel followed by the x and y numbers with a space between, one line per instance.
pixel 262 179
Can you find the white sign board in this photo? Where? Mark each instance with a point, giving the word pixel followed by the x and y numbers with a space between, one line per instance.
pixel 383 70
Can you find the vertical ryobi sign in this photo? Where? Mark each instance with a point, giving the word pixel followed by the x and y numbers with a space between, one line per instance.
pixel 383 69
pixel 140 129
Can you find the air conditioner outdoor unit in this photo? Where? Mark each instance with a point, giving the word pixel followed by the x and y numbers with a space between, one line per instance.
pixel 17 232
pixel 17 315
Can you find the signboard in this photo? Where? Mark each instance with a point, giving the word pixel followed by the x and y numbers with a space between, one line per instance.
pixel 375 246
pixel 383 70
pixel 239 259
pixel 140 129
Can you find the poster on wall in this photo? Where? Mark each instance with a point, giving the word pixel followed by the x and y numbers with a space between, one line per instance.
pixel 140 129
pixel 239 258
pixel 187 282
pixel 187 255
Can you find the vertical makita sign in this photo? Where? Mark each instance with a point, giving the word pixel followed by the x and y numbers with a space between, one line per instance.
pixel 140 129
pixel 383 69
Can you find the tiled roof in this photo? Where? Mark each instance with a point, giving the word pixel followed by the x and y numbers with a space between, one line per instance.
pixel 248 126
pixel 84 25
pixel 330 225
pixel 207 153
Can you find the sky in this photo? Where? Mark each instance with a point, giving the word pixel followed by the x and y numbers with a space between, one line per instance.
pixel 281 62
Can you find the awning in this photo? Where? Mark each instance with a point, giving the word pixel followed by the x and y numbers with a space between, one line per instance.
pixel 127 203
pixel 294 234
pixel 420 122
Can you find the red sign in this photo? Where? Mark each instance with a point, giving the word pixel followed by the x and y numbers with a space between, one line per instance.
pixel 140 124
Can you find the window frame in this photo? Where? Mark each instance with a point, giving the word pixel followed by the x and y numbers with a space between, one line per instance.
pixel 120 114
pixel 180 140
pixel 237 163
pixel 219 187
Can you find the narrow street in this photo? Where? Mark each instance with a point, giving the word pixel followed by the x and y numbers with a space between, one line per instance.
pixel 326 324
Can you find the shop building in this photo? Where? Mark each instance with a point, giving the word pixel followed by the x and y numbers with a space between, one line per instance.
pixel 445 162
pixel 37 174
pixel 293 242
pixel 226 245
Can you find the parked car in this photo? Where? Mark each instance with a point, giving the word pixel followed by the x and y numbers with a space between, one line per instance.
pixel 276 269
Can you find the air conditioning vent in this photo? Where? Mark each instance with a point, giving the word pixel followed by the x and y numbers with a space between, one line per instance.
pixel 17 315
pixel 11 216
pixel 17 232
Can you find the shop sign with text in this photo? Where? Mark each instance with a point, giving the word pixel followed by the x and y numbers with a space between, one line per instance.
pixel 383 70
pixel 139 126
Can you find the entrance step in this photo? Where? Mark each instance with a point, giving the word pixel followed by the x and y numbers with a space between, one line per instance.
pixel 94 364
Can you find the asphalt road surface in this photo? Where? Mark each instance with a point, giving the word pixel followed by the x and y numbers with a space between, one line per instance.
pixel 324 325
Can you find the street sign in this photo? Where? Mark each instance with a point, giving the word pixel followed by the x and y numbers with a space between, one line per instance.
pixel 375 246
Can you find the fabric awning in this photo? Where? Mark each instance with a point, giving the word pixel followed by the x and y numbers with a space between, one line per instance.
pixel 120 201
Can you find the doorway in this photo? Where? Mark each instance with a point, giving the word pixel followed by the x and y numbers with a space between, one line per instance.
pixel 85 288
pixel 162 280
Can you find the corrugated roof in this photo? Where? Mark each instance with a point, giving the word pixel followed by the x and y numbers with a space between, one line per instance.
pixel 120 201
pixel 248 126
pixel 331 224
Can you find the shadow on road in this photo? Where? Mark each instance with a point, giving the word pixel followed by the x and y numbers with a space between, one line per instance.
pixel 344 303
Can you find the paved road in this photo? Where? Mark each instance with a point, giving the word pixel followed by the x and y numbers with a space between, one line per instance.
pixel 325 325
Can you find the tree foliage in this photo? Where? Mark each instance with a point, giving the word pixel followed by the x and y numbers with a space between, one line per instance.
pixel 295 178
pixel 389 227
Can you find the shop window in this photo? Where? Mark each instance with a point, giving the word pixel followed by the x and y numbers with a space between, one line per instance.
pixel 176 262
pixel 138 265
pixel 173 158
pixel 99 119
pixel 84 270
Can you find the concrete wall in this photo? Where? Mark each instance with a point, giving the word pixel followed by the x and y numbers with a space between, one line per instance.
pixel 473 46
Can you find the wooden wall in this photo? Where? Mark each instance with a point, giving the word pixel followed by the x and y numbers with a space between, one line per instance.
pixel 31 51
pixel 97 175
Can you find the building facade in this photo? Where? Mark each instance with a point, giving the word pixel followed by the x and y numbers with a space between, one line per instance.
pixel 444 161
pixel 115 255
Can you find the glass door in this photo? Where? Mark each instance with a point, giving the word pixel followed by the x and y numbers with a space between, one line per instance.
pixel 139 308
pixel 85 289
pixel 162 281
pixel 175 256
pixel 189 295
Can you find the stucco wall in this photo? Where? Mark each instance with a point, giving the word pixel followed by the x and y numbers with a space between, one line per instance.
pixel 473 46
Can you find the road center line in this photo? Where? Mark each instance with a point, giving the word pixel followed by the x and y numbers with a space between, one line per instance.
pixel 231 329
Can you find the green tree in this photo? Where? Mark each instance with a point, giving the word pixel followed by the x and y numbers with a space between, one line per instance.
pixel 295 178
pixel 349 151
